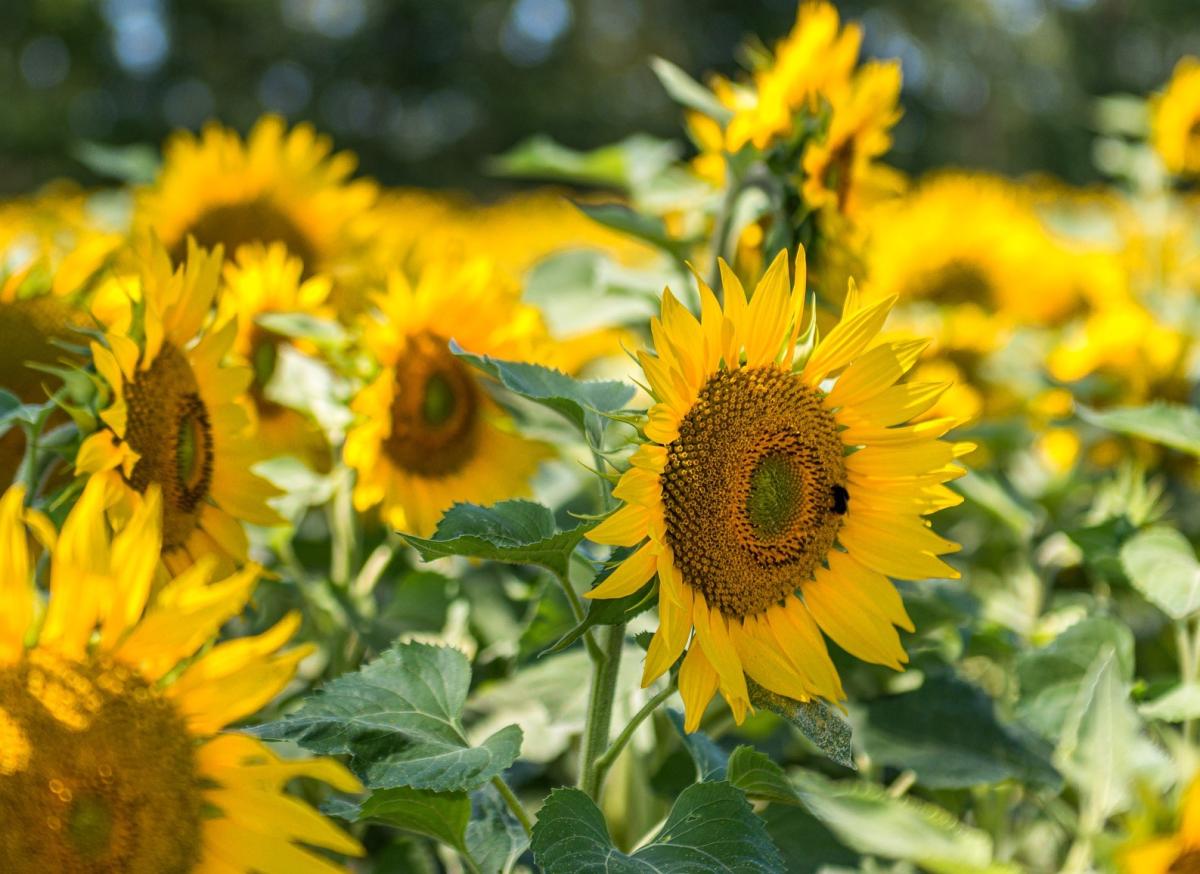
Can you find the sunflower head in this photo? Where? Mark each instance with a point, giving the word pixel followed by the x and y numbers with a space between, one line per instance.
pixel 1175 120
pixel 111 708
pixel 776 489
pixel 1177 853
pixel 428 433
pixel 276 186
pixel 175 421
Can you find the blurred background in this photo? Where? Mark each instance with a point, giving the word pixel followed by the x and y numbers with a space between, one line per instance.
pixel 425 91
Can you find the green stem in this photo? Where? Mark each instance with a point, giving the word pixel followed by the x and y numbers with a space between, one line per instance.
pixel 341 527
pixel 599 715
pixel 580 614
pixel 606 759
pixel 514 804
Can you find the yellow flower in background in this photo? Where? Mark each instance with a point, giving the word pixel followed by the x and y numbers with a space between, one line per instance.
pixel 1177 854
pixel 862 114
pixel 112 756
pixel 773 504
pixel 965 243
pixel 276 186
pixel 814 59
pixel 175 420
pixel 268 280
pixel 1130 356
pixel 428 434
pixel 1175 119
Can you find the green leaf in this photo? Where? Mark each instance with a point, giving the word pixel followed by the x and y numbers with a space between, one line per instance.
pixel 807 845
pixel 868 820
pixel 399 719
pixel 584 403
pixel 442 816
pixel 711 828
pixel 815 719
pixel 1180 704
pixel 711 761
pixel 1050 677
pixel 303 326
pixel 516 532
pixel 1162 565
pixel 625 165
pixel 135 164
pixel 1171 425
pixel 759 777
pixel 1101 730
pixel 687 91
pixel 495 840
pixel 649 228
pixel 948 733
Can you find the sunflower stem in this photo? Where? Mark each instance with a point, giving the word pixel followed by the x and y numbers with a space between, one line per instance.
pixel 599 715
pixel 606 759
pixel 589 642
pixel 514 803
pixel 341 527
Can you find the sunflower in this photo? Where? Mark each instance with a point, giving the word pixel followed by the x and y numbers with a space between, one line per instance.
pixel 267 280
pixel 815 58
pixel 428 433
pixel 1175 119
pixel 111 710
pixel 277 186
pixel 1177 854
pixel 839 167
pixel 175 419
pixel 964 243
pixel 772 504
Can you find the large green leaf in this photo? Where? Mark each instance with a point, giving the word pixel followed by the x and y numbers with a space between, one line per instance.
pixel 868 820
pixel 1162 565
pixel 584 403
pixel 517 532
pixel 948 733
pixel 478 825
pixel 687 91
pixel 399 719
pixel 626 165
pixel 649 228
pixel 711 828
pixel 1050 677
pixel 1095 752
pixel 1172 425
pixel 1178 705
pixel 815 719
pixel 808 847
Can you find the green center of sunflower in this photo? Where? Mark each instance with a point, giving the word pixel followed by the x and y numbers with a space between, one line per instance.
pixel 1187 862
pixel 753 489
pixel 958 282
pixel 109 779
pixel 434 410
pixel 250 221
pixel 168 426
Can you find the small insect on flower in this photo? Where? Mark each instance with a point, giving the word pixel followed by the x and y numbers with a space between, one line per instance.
pixel 841 500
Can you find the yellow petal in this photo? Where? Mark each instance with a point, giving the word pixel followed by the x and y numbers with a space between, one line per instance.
pixel 135 553
pixel 628 526
pixel 630 575
pixel 638 486
pixel 846 341
pixel 16 581
pixel 764 661
pixel 851 621
pixel 712 632
pixel 674 626
pixel 697 685
pixel 767 317
pixel 875 370
pixel 735 316
pixel 904 563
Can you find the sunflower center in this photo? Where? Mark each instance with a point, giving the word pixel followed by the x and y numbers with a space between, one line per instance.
pixel 434 412
pixel 751 489
pixel 169 427
pixel 109 780
pixel 1187 862
pixel 250 221
pixel 958 282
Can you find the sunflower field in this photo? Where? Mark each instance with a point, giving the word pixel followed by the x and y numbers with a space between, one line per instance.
pixel 730 503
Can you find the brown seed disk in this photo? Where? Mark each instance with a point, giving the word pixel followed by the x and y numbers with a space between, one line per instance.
pixel 253 221
pixel 168 425
pixel 748 488
pixel 435 410
pixel 110 783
